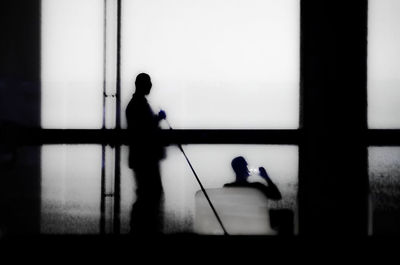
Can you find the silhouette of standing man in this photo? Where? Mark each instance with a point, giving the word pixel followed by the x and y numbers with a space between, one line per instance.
pixel 146 151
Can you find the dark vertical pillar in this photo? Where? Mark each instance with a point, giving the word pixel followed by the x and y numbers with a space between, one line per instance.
pixel 333 158
pixel 19 108
pixel 117 188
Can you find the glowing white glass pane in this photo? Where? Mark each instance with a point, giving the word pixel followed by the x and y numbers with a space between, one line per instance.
pixel 212 163
pixel 384 64
pixel 215 63
pixel 72 63
pixel 384 179
pixel 70 189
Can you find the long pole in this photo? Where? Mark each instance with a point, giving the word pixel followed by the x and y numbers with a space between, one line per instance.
pixel 201 185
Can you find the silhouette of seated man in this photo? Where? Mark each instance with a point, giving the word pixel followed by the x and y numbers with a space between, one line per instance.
pixel 242 172
pixel 145 152
pixel 280 219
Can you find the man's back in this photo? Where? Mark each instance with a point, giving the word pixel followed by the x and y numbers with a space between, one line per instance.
pixel 139 115
pixel 144 132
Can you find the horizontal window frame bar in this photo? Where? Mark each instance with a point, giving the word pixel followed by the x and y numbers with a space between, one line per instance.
pixel 29 136
pixel 383 137
pixel 121 136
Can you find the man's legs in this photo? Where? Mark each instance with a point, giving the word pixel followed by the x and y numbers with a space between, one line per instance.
pixel 146 215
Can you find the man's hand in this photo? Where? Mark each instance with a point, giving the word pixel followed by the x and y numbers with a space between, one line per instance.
pixel 162 115
pixel 263 173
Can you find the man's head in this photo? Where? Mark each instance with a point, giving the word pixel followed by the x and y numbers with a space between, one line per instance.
pixel 239 165
pixel 143 84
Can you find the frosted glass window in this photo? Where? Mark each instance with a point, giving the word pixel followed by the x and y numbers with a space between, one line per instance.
pixel 71 184
pixel 213 166
pixel 384 177
pixel 72 63
pixel 384 64
pixel 70 189
pixel 215 63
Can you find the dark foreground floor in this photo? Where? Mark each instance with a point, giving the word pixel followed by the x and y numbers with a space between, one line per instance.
pixel 192 249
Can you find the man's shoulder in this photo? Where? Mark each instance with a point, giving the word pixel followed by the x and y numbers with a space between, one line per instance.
pixel 237 184
pixel 136 102
pixel 134 99
pixel 230 184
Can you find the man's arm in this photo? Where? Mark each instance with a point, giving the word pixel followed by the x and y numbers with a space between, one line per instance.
pixel 271 190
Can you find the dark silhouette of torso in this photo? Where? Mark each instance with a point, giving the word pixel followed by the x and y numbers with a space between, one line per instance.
pixel 145 144
pixel 270 191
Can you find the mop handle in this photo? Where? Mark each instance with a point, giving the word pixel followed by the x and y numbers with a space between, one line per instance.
pixel 201 185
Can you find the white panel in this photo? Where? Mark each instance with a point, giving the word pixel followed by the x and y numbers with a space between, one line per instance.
pixel 72 63
pixel 384 64
pixel 70 184
pixel 215 63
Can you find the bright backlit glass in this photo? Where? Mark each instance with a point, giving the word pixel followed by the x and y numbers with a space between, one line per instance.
pixel 215 63
pixel 384 64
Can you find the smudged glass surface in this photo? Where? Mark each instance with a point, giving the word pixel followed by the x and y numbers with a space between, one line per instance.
pixel 212 163
pixel 384 177
pixel 70 189
pixel 71 182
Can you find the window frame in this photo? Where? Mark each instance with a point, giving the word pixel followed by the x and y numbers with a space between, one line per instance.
pixel 328 51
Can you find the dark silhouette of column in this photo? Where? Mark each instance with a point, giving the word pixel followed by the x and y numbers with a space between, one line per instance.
pixel 333 180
